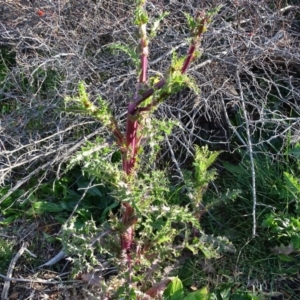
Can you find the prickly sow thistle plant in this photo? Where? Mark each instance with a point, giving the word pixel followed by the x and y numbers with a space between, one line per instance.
pixel 151 232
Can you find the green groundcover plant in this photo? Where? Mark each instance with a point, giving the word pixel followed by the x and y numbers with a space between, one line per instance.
pixel 141 245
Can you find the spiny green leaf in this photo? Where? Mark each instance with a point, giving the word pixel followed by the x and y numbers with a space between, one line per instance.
pixel 128 50
pixel 213 11
pixel 140 16
pixel 156 24
pixel 85 106
pixel 191 21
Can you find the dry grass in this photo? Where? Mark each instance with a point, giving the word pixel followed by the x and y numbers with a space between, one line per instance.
pixel 248 44
pixel 250 62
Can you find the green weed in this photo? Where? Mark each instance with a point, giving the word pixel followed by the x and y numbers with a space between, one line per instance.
pixel 6 254
pixel 60 197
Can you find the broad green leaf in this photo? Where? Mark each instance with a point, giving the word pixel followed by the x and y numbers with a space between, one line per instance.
pixel 223 292
pixel 49 238
pixel 292 183
pixel 9 220
pixel 69 206
pixel 202 294
pixel 284 257
pixel 95 191
pixel 44 206
pixel 109 208
pixel 244 296
pixel 296 241
pixel 174 291
pixel 295 151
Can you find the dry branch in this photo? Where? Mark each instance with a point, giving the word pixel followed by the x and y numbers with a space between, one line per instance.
pixel 6 286
pixel 71 43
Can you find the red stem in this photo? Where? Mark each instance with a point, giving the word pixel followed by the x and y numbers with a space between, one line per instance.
pixel 131 149
pixel 186 64
pixel 150 92
pixel 132 141
pixel 195 42
pixel 144 61
pixel 117 133
pixel 189 58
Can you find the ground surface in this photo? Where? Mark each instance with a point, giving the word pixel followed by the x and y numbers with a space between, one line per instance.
pixel 54 44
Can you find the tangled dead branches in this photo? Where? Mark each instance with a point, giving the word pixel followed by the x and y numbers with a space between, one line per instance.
pixel 248 74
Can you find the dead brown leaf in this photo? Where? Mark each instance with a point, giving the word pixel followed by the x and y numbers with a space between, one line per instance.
pixel 92 278
pixel 282 249
pixel 158 287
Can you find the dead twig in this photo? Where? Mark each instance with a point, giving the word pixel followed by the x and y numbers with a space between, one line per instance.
pixel 41 281
pixel 6 286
